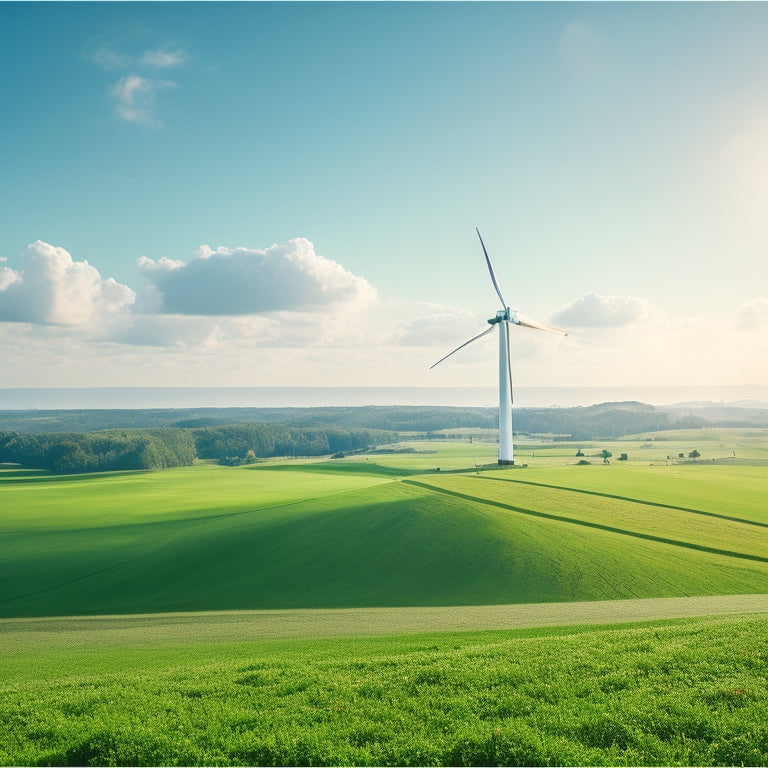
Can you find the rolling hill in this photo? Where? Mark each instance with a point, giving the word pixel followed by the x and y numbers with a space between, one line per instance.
pixel 351 534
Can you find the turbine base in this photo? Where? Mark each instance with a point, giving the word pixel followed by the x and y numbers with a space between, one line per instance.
pixel 506 462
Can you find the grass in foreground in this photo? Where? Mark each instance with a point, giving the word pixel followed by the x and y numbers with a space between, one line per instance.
pixel 688 692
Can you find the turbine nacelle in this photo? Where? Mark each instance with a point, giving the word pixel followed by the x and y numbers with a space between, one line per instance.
pixel 514 317
pixel 502 314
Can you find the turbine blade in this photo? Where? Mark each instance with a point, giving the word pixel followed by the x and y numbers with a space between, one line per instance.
pixel 490 269
pixel 528 323
pixel 509 367
pixel 474 338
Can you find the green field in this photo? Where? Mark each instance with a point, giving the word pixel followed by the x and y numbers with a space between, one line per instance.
pixel 429 541
pixel 381 530
pixel 680 692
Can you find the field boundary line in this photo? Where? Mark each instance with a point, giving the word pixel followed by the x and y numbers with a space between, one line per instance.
pixel 587 524
pixel 627 498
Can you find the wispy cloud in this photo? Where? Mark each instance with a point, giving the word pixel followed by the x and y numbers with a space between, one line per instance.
pixel 437 325
pixel 135 98
pixel 135 95
pixel 108 58
pixel 155 58
pixel 164 58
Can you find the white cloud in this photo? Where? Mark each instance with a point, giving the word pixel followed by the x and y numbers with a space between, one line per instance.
pixel 164 58
pixel 752 315
pixel 241 281
pixel 51 288
pixel 107 58
pixel 135 98
pixel 158 58
pixel 8 277
pixel 284 314
pixel 134 95
pixel 595 311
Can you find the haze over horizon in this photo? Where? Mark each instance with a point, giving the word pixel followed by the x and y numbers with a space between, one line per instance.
pixel 285 194
pixel 63 398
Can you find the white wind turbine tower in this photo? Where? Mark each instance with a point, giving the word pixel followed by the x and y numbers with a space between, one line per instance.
pixel 503 318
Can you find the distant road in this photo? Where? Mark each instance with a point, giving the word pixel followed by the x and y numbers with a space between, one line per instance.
pixel 243 626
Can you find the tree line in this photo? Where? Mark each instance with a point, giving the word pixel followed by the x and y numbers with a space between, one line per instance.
pixel 111 450
pixel 607 420
pixel 273 439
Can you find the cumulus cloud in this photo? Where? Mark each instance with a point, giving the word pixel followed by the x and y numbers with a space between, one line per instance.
pixel 135 98
pixel 51 288
pixel 8 277
pixel 596 311
pixel 752 315
pixel 241 281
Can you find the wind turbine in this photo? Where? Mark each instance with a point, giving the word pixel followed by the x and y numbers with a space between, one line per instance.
pixel 503 318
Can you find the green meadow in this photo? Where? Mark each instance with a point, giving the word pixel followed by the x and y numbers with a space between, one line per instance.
pixel 431 529
pixel 681 692
pixel 379 530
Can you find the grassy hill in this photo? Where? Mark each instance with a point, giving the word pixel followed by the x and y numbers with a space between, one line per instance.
pixel 371 533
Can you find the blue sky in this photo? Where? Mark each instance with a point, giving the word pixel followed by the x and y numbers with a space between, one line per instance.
pixel 257 193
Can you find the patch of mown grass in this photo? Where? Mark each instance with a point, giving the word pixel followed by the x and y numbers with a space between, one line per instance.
pixel 691 692
pixel 689 527
pixel 737 492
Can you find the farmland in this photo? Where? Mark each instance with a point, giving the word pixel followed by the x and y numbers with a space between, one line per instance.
pixel 372 608
pixel 680 692
pixel 381 530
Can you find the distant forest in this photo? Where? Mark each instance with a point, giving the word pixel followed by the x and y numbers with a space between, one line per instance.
pixel 103 440
pixel 608 420
pixel 110 450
